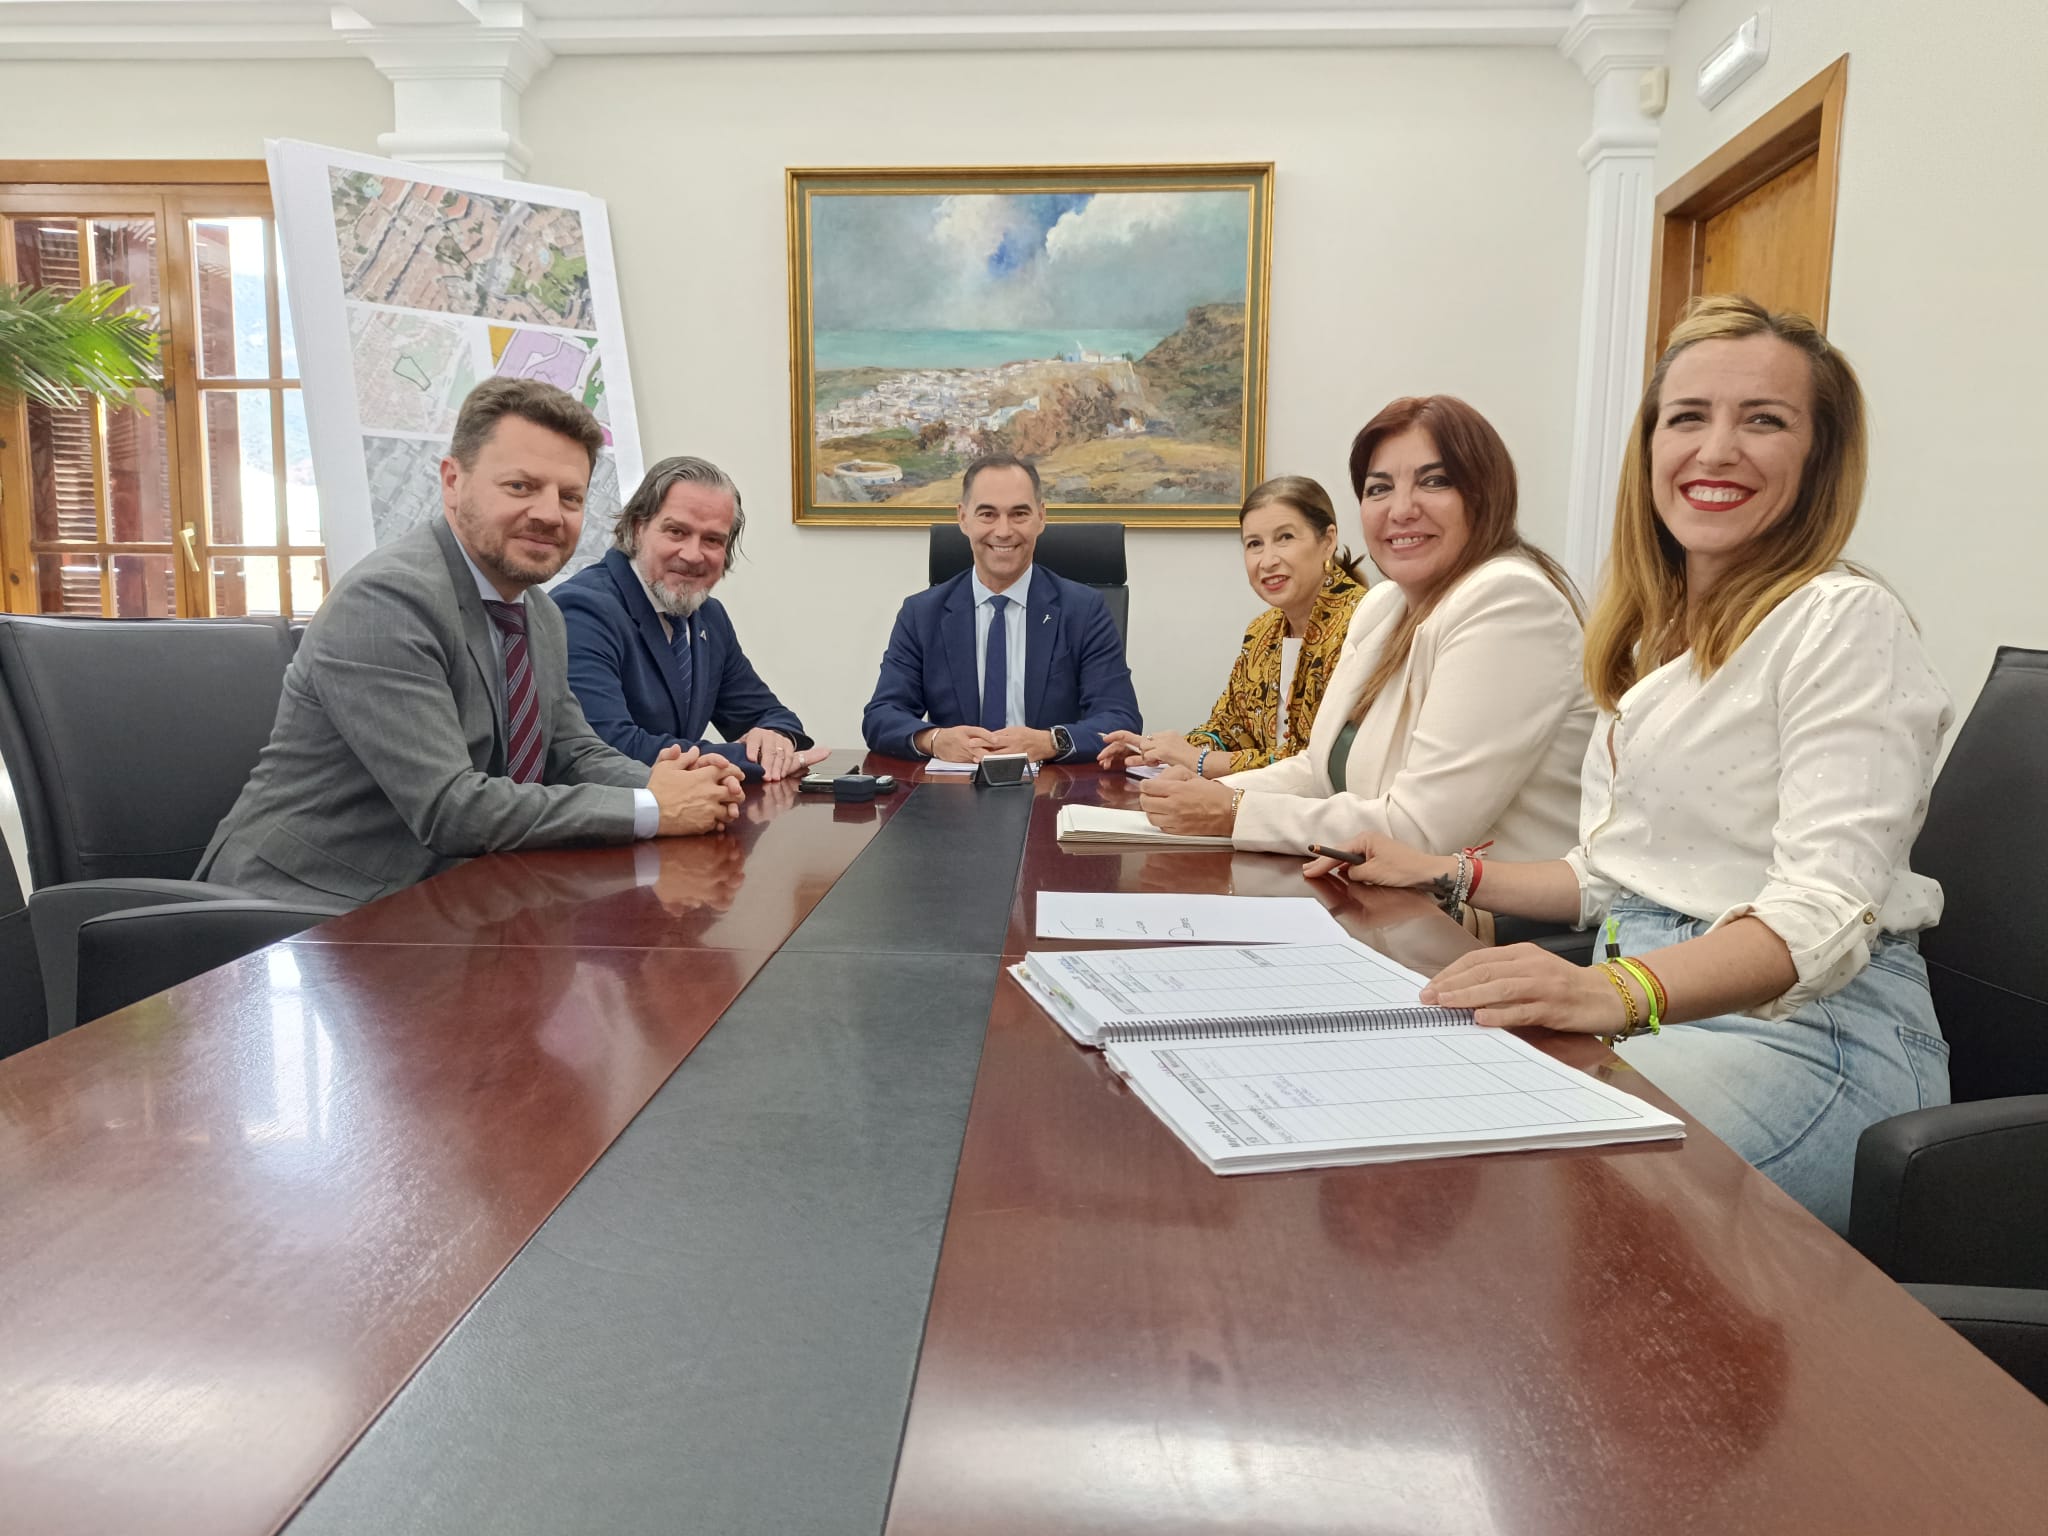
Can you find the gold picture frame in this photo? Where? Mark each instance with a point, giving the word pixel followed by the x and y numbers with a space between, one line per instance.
pixel 967 310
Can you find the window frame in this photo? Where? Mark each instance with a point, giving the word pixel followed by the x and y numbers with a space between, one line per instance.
pixel 174 193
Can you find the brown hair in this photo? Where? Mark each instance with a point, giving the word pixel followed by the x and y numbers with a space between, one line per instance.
pixel 530 400
pixel 1482 472
pixel 999 461
pixel 1643 618
pixel 1307 497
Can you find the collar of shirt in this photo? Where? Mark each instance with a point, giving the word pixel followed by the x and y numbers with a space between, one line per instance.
pixel 489 594
pixel 1018 591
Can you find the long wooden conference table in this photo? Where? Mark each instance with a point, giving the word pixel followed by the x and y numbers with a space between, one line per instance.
pixel 726 1185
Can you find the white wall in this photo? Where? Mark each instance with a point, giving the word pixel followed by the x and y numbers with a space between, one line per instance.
pixel 215 110
pixel 1428 221
pixel 1938 293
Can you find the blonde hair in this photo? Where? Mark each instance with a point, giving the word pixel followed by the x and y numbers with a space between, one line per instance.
pixel 1482 471
pixel 1643 618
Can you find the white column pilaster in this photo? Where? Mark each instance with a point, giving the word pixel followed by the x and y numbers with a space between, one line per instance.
pixel 1613 42
pixel 456 80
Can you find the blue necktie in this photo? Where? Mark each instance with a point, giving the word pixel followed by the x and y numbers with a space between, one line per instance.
pixel 995 669
pixel 683 650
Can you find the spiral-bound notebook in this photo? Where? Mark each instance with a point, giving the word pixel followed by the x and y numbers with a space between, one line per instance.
pixel 1281 1056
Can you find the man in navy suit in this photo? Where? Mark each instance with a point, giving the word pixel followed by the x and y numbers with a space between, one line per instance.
pixel 653 659
pixel 1051 685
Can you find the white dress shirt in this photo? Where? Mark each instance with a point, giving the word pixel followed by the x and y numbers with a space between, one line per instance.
pixel 1478 737
pixel 646 809
pixel 1290 663
pixel 1014 631
pixel 1787 787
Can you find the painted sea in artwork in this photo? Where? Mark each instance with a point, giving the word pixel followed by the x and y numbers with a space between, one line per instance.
pixel 1101 335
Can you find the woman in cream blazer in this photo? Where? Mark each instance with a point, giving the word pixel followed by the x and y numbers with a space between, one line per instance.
pixel 1467 661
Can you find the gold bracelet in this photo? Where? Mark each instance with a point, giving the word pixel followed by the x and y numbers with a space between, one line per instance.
pixel 1628 1000
pixel 1236 795
pixel 1653 990
pixel 1659 998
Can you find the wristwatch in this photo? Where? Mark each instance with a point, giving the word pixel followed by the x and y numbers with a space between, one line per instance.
pixel 1062 743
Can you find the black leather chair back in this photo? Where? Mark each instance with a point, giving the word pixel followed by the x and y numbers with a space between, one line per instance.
pixel 22 1018
pixel 1986 840
pixel 127 740
pixel 1090 553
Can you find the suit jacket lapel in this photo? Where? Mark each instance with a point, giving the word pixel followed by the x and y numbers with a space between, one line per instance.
pixel 956 631
pixel 1041 632
pixel 648 623
pixel 476 629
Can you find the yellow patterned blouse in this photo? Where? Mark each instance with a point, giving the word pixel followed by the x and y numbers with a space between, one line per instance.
pixel 1243 721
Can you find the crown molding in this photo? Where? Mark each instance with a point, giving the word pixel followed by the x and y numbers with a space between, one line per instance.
pixel 1026 28
pixel 1603 36
pixel 400 32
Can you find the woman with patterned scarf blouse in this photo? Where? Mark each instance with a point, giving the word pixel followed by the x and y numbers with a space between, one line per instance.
pixel 1289 530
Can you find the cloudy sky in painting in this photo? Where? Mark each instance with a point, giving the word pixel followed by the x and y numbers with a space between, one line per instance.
pixel 982 262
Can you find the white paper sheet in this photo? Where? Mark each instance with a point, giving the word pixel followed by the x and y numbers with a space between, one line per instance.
pixel 1153 919
pixel 1270 1102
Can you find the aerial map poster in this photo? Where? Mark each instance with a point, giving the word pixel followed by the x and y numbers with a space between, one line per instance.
pixel 1107 323
pixel 407 287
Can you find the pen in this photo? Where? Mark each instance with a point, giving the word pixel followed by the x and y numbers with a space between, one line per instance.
pixel 1341 855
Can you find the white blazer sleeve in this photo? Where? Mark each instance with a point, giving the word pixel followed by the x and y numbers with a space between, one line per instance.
pixel 1504 675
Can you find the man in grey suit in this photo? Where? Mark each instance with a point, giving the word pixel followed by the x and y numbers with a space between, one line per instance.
pixel 427 716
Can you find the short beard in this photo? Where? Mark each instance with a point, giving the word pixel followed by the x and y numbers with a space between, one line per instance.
pixel 498 562
pixel 674 606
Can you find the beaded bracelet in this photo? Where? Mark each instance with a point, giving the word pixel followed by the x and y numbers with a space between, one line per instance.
pixel 1202 757
pixel 1461 887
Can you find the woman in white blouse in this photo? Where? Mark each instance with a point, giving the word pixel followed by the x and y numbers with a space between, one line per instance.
pixel 1769 733
pixel 1456 713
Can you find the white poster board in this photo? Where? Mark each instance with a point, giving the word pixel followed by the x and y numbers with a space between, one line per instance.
pixel 407 288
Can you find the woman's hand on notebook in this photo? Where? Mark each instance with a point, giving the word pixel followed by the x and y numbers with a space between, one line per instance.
pixel 1182 804
pixel 1521 985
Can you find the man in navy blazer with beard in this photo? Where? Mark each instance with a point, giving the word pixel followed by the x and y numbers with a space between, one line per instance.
pixel 1051 687
pixel 653 658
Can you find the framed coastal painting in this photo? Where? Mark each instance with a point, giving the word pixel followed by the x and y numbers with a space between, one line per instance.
pixel 1106 323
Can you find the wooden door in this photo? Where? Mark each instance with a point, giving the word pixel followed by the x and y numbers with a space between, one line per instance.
pixel 1758 216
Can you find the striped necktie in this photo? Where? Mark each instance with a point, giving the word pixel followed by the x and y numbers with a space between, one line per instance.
pixel 523 751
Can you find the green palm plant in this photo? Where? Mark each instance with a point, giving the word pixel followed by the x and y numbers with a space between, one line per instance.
pixel 62 350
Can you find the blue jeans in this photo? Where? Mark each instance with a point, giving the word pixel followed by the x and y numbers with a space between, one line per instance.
pixel 1793 1095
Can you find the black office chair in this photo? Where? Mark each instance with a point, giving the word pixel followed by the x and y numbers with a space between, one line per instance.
pixel 22 1018
pixel 1090 553
pixel 1955 1200
pixel 127 741
pixel 126 956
